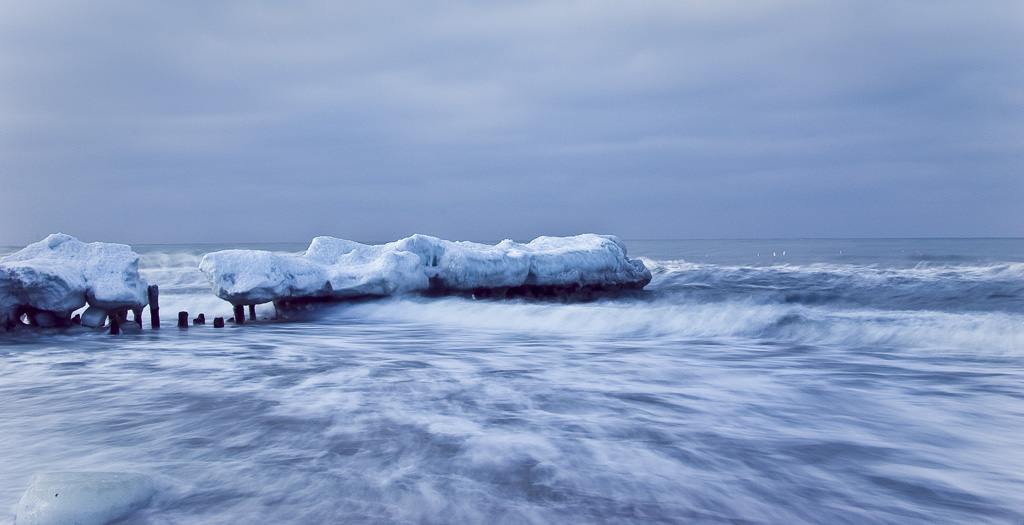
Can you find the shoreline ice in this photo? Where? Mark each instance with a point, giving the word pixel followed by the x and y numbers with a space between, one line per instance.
pixel 45 282
pixel 83 498
pixel 50 279
pixel 335 269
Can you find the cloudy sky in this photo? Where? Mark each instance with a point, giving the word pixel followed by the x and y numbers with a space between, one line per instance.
pixel 248 121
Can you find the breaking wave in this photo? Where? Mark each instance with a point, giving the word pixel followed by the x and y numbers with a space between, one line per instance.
pixel 977 332
pixel 996 287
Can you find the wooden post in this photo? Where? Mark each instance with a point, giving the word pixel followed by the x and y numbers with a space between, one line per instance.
pixel 218 322
pixel 252 312
pixel 115 325
pixel 154 306
pixel 201 319
pixel 182 319
pixel 239 314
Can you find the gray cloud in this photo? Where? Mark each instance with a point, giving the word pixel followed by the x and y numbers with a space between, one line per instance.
pixel 253 121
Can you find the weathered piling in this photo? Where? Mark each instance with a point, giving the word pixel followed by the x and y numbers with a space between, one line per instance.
pixel 154 306
pixel 115 325
pixel 200 319
pixel 218 322
pixel 182 319
pixel 252 312
pixel 239 314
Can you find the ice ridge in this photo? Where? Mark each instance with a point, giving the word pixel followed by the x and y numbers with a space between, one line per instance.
pixel 50 279
pixel 331 269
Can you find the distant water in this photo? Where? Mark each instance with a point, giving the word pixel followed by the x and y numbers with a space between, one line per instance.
pixel 789 381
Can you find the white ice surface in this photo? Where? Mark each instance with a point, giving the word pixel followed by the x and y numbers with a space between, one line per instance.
pixel 61 274
pixel 82 498
pixel 340 268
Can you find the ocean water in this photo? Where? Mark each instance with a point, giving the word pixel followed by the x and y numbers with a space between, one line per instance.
pixel 783 381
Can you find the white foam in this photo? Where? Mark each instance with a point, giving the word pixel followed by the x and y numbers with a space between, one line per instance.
pixel 927 331
pixel 82 498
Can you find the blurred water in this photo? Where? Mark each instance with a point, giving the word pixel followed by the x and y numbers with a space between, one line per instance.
pixel 872 386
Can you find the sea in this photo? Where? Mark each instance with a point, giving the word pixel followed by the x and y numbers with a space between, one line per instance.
pixel 753 381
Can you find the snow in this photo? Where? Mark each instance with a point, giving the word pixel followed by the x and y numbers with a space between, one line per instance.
pixel 254 277
pixel 61 274
pixel 82 498
pixel 338 268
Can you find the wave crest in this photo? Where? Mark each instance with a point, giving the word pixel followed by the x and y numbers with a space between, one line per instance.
pixel 741 321
pixel 996 287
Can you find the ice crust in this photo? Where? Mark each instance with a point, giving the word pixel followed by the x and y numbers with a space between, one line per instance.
pixel 60 274
pixel 82 498
pixel 334 268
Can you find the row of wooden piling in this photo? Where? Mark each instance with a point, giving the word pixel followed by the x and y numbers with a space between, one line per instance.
pixel 153 293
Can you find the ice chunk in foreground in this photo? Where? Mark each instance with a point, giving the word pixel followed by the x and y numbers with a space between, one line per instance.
pixel 82 498
pixel 61 274
pixel 336 268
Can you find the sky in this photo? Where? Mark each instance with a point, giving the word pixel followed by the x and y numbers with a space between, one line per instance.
pixel 252 121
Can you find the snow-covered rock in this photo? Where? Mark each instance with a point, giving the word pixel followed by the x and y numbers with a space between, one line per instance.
pixel 82 498
pixel 336 268
pixel 254 276
pixel 61 274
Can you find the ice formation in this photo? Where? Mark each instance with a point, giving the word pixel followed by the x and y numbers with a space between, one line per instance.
pixel 83 498
pixel 50 279
pixel 331 268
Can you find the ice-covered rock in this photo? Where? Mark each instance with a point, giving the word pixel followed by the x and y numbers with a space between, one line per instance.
pixel 254 277
pixel 61 274
pixel 336 268
pixel 82 498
